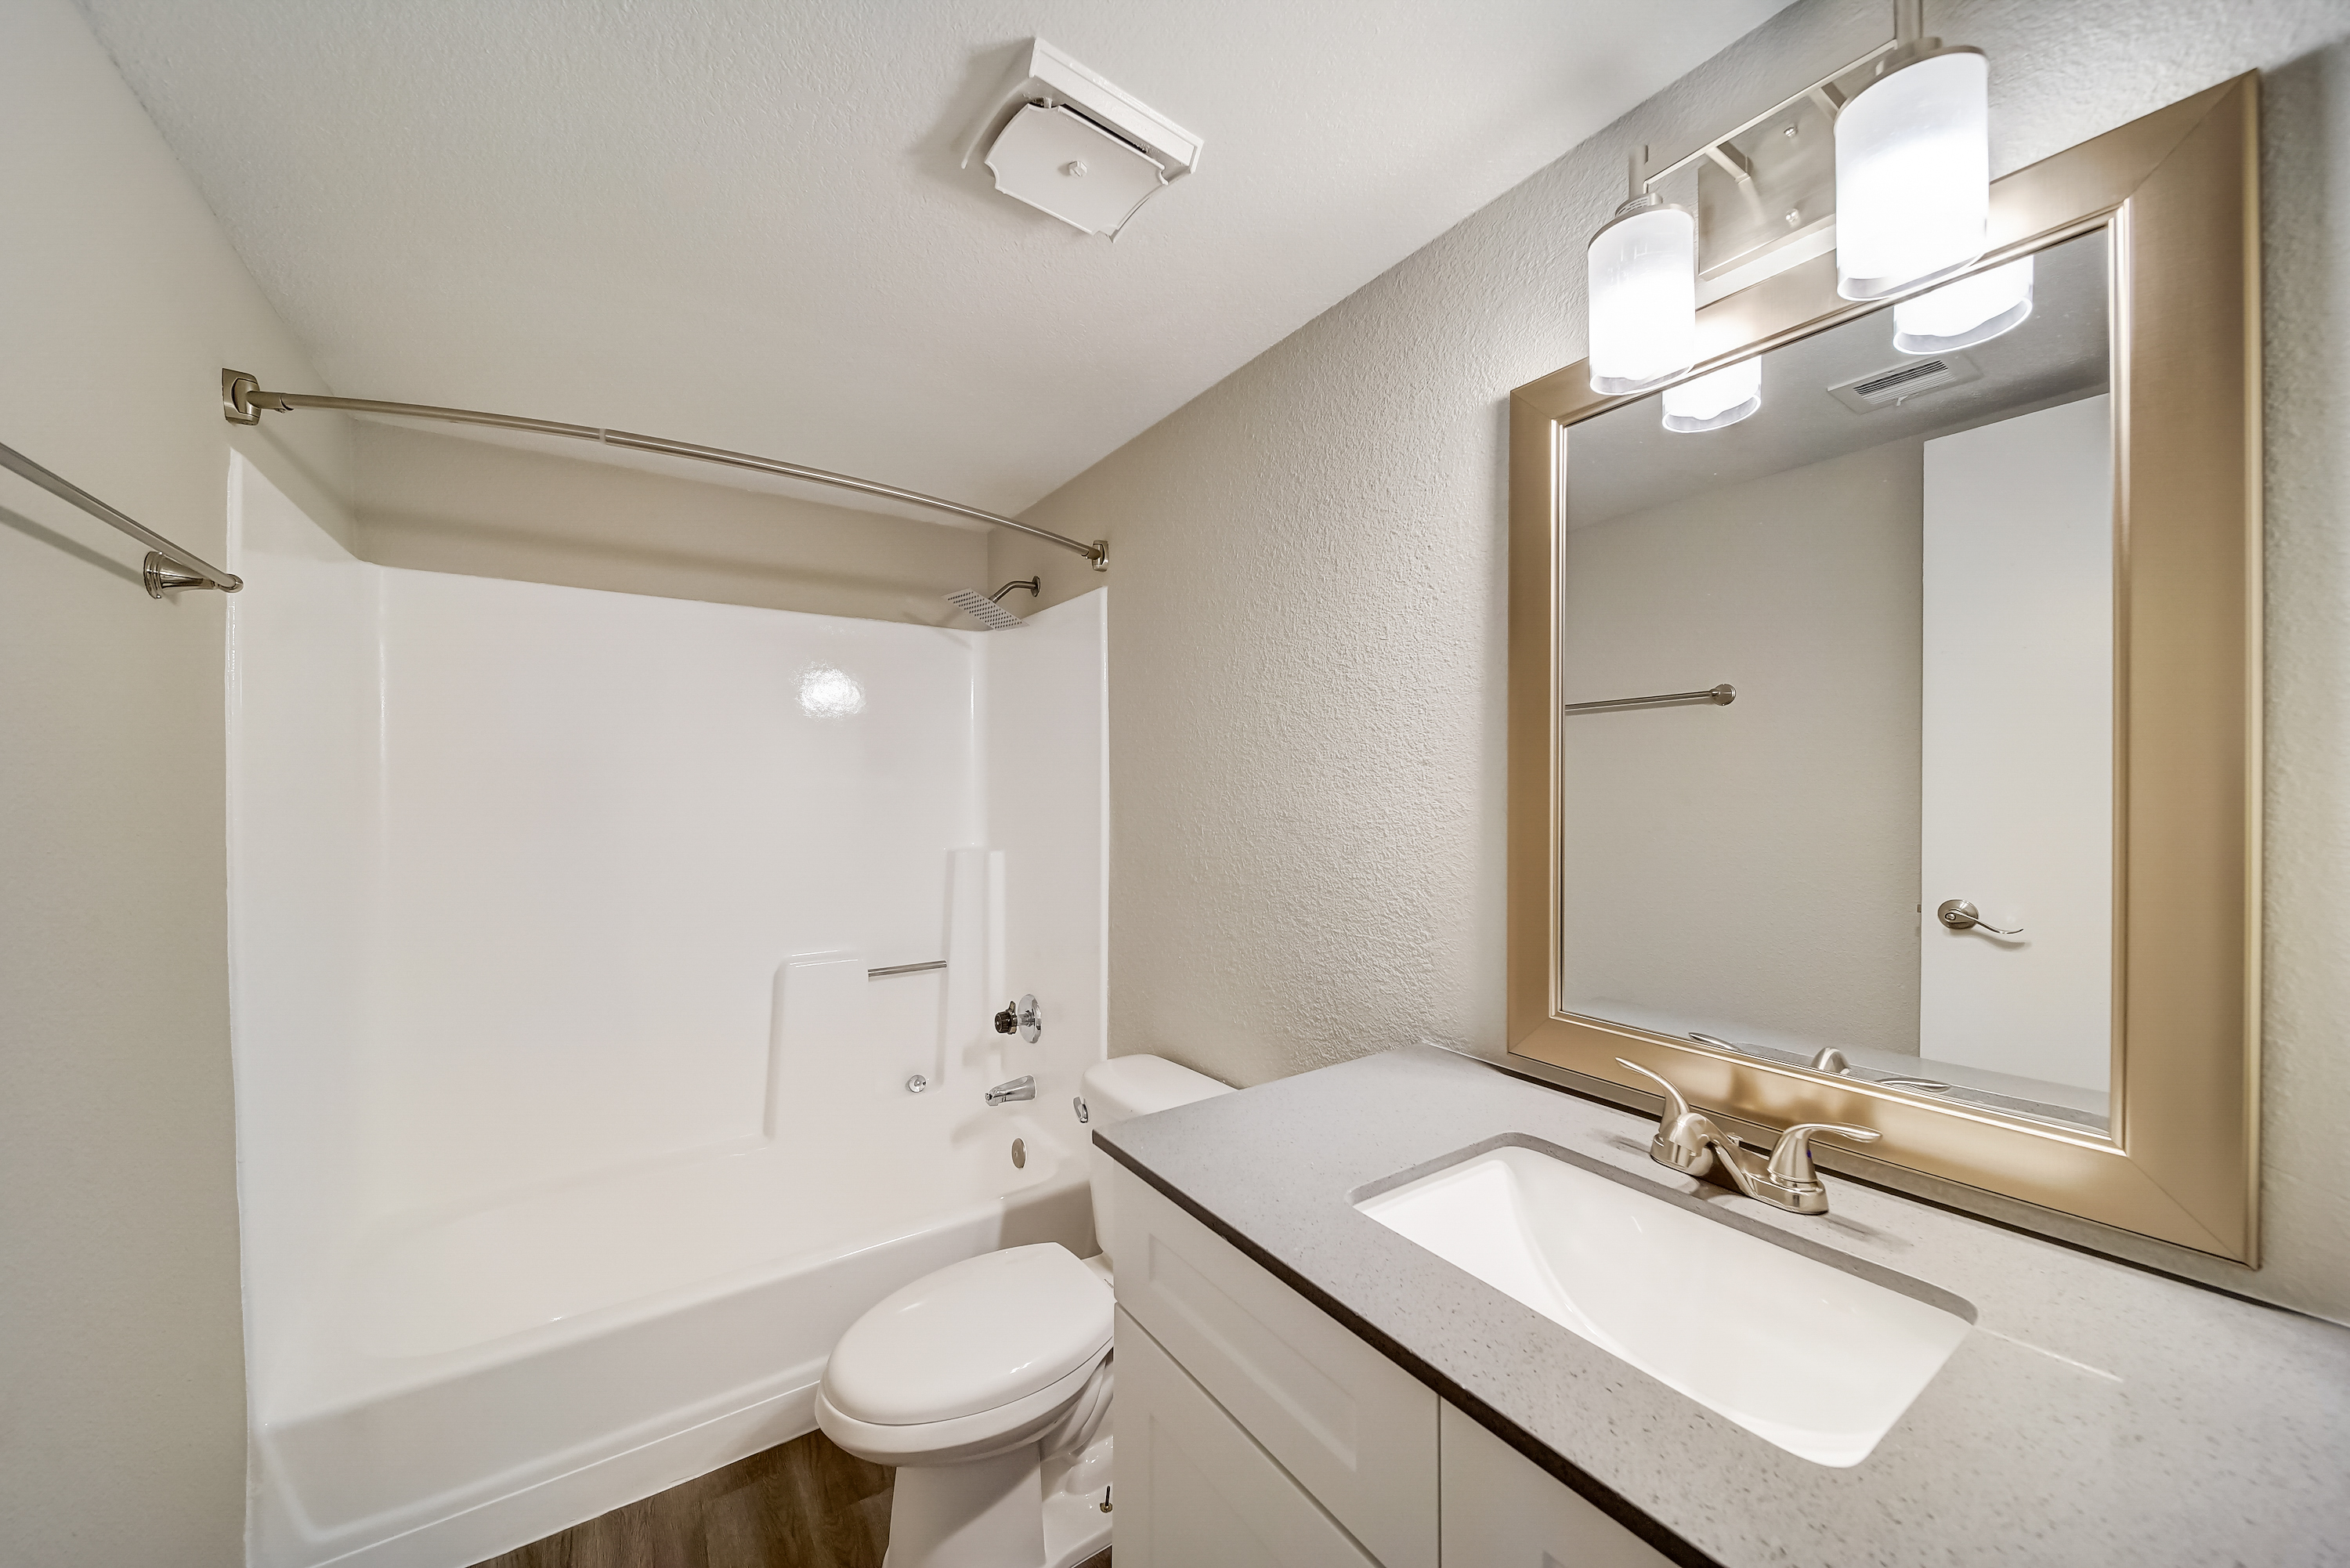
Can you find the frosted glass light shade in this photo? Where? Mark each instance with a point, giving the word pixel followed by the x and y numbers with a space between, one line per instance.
pixel 1709 402
pixel 1975 309
pixel 1913 174
pixel 1643 276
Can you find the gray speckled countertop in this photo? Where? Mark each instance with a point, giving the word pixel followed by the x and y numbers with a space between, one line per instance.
pixel 2097 1414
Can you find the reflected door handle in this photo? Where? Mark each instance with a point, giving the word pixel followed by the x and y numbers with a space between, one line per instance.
pixel 1960 916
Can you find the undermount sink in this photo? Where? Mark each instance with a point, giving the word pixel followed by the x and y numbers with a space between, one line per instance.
pixel 1805 1353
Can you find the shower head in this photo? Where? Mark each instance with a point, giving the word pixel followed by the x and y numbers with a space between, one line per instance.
pixel 982 609
pixel 988 609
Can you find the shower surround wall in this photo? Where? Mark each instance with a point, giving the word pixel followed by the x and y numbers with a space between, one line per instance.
pixel 572 1131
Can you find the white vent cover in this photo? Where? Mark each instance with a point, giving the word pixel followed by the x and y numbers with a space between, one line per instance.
pixel 1881 389
pixel 1058 161
pixel 1066 142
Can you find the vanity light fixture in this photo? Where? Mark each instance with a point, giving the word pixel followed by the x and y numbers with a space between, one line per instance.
pixel 1643 295
pixel 1911 182
pixel 1722 398
pixel 1966 312
pixel 1913 165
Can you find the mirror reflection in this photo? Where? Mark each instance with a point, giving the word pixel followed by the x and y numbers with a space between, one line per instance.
pixel 1887 849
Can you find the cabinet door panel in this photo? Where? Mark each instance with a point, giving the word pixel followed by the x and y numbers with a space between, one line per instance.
pixel 1504 1510
pixel 1356 1430
pixel 1194 1489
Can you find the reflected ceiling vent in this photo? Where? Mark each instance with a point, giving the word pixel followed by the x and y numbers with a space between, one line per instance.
pixel 1884 389
pixel 1066 142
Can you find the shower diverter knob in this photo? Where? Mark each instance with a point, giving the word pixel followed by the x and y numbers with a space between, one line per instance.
pixel 1021 1018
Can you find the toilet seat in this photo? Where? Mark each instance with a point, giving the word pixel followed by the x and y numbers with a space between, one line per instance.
pixel 984 1354
pixel 973 1437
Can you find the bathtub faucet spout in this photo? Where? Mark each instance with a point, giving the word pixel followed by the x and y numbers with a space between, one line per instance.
pixel 1018 1089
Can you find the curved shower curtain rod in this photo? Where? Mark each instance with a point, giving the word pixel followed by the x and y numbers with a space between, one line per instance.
pixel 243 400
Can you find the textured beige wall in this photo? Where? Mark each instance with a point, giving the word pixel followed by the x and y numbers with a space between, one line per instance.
pixel 121 1376
pixel 1306 637
pixel 442 502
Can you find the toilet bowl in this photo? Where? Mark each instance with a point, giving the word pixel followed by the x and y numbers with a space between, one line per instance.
pixel 987 1383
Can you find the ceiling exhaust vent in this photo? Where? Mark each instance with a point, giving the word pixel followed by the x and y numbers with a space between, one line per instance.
pixel 1068 143
pixel 1882 389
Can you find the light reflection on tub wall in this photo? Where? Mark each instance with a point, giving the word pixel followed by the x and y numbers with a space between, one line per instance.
pixel 552 905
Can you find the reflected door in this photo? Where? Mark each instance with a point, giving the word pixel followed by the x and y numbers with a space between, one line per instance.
pixel 2018 745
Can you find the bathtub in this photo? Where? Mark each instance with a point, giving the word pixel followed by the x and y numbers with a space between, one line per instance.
pixel 581 980
pixel 481 1378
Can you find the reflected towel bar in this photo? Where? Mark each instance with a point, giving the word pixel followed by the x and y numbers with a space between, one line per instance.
pixel 167 566
pixel 243 400
pixel 1720 696
pixel 906 969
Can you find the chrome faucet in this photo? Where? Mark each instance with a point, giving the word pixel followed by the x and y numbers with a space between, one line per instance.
pixel 1688 1142
pixel 1023 1088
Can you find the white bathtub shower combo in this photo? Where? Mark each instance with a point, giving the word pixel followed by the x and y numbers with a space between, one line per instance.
pixel 574 1128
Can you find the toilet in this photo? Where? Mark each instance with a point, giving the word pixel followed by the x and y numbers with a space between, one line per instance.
pixel 987 1383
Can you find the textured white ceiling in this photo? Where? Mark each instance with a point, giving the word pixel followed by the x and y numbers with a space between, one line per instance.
pixel 741 221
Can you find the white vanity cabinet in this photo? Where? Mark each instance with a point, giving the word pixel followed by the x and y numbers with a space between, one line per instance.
pixel 1348 1426
pixel 1193 1489
pixel 1253 1428
pixel 1504 1510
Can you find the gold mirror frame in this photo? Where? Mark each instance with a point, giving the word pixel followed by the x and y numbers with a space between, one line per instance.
pixel 2178 192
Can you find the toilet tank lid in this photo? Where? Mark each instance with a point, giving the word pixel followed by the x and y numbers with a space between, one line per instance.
pixel 1126 1086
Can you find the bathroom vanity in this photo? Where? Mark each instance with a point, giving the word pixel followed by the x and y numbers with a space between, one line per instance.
pixel 1883 762
pixel 1302 1382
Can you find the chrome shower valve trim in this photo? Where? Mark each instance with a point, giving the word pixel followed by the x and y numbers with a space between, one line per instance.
pixel 1022 1018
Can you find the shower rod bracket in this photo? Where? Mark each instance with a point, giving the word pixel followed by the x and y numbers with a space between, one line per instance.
pixel 167 567
pixel 243 400
pixel 162 574
pixel 238 392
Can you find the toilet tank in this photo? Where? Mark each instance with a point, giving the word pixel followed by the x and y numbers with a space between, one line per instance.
pixel 1126 1086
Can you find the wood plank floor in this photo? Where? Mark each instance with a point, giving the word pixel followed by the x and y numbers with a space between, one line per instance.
pixel 804 1504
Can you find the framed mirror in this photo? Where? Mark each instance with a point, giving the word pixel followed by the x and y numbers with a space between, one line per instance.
pixel 1883 742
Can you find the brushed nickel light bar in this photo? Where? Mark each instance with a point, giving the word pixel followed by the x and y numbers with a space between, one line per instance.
pixel 167 566
pixel 243 400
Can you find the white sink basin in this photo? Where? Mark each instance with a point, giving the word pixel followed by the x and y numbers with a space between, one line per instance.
pixel 1818 1360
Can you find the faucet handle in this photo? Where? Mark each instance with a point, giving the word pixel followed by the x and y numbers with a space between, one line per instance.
pixel 1684 1138
pixel 1676 1107
pixel 1023 1017
pixel 1790 1157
